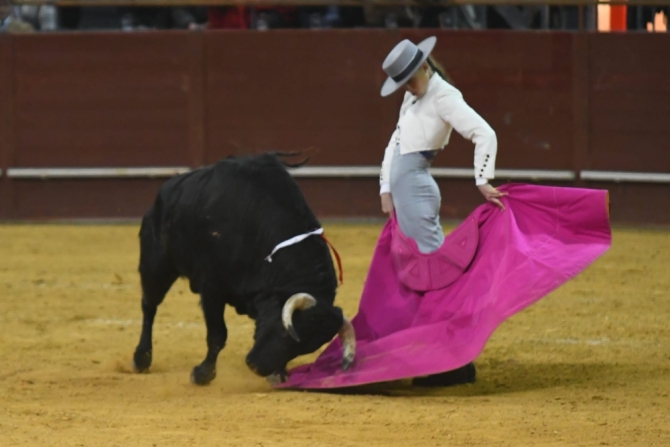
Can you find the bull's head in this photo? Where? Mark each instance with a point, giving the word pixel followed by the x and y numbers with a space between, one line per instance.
pixel 301 327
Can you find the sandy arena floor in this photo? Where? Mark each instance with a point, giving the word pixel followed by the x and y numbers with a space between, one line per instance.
pixel 587 366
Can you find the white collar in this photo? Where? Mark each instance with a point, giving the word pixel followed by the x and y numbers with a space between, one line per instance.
pixel 294 240
pixel 432 82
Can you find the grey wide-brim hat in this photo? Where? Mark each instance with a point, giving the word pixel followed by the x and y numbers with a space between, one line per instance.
pixel 403 61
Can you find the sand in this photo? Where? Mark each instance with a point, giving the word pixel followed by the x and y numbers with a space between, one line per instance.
pixel 589 365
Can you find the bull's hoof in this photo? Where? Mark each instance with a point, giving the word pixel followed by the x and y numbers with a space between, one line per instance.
pixel 202 375
pixel 141 361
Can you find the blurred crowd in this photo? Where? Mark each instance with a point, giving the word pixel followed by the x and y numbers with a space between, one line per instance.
pixel 49 17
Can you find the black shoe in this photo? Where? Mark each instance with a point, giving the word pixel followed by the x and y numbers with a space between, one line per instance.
pixel 460 376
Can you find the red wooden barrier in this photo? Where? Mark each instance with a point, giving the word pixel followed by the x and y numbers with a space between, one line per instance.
pixel 566 102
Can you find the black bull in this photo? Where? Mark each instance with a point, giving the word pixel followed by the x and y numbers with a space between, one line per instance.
pixel 215 226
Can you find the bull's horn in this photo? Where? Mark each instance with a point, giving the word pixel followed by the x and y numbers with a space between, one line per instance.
pixel 299 301
pixel 348 337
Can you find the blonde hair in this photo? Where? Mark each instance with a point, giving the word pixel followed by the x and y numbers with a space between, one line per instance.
pixel 439 69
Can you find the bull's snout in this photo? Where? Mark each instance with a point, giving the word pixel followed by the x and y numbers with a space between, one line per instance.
pixel 254 368
pixel 274 377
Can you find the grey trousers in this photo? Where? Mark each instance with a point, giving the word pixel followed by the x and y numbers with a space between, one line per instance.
pixel 416 199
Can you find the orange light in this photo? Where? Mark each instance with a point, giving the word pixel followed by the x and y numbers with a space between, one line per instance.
pixel 604 18
pixel 618 18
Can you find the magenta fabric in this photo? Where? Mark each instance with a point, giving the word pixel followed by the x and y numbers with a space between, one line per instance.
pixel 545 237
pixel 424 272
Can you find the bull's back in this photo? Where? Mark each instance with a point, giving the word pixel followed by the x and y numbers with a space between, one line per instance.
pixel 228 216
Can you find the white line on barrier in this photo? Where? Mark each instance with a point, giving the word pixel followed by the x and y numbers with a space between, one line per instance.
pixel 345 171
pixel 625 176
pixel 335 171
pixel 43 173
pixel 535 174
pixel 306 171
pixel 373 171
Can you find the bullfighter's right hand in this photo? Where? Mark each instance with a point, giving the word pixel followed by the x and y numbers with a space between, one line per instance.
pixel 492 195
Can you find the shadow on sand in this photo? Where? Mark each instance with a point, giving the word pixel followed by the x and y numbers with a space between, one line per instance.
pixel 495 378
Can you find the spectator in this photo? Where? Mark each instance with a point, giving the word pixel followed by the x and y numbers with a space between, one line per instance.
pixel 28 18
pixel 331 17
pixel 315 16
pixel 131 18
pixel 390 16
pixel 277 16
pixel 13 24
pixel 98 18
pixel 5 12
pixel 243 17
pixel 168 17
pixel 228 17
pixel 351 16
pixel 188 18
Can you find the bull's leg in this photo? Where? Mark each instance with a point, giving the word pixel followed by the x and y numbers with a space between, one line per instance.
pixel 213 305
pixel 155 285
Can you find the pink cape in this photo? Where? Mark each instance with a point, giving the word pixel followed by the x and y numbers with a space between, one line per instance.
pixel 545 237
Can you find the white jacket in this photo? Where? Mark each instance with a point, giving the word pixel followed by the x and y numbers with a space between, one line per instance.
pixel 426 124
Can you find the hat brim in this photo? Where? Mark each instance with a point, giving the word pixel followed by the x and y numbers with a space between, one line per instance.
pixel 426 46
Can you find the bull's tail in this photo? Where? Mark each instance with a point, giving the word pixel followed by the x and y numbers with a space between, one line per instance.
pixel 151 223
pixel 153 247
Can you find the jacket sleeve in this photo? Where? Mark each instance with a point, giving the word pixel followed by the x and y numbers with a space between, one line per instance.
pixel 385 174
pixel 453 109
